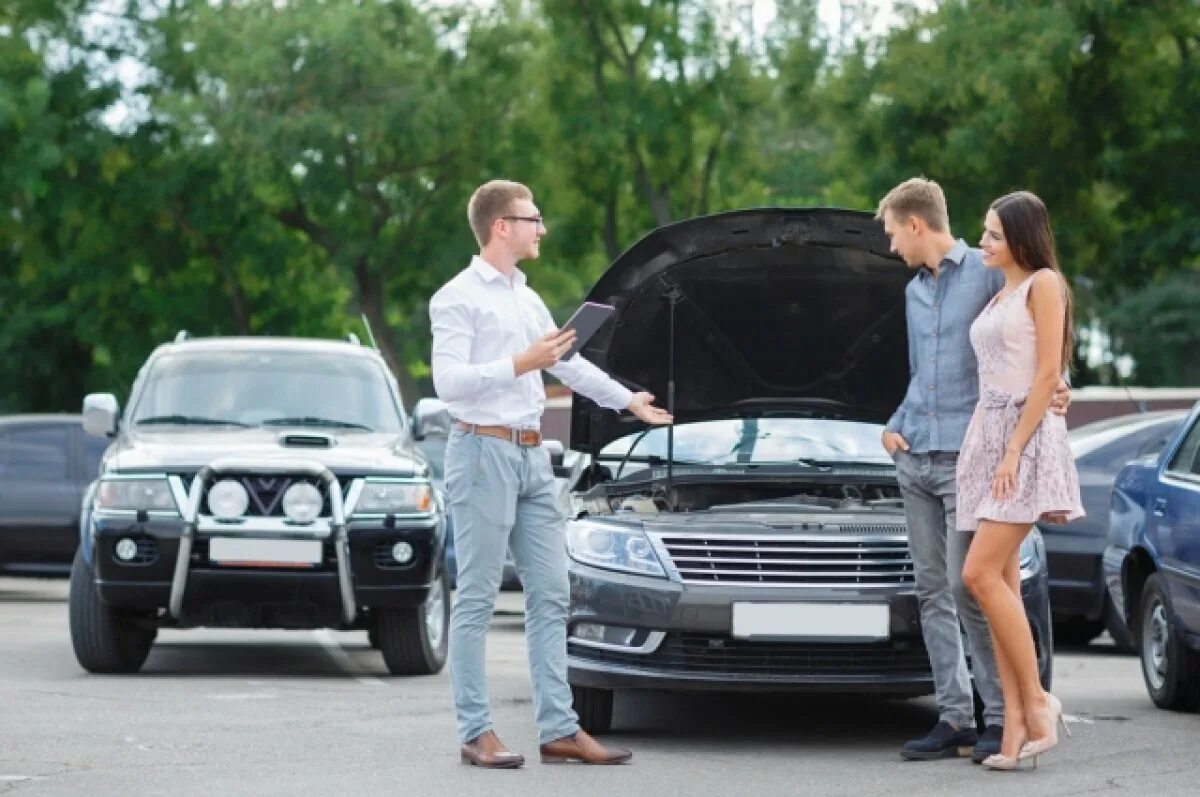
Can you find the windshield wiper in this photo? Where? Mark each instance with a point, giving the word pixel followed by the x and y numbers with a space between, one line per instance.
pixel 312 420
pixel 189 420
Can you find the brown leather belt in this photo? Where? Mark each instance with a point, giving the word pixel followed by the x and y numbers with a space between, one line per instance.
pixel 520 437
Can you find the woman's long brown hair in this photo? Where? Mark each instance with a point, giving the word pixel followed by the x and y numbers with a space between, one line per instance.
pixel 1026 225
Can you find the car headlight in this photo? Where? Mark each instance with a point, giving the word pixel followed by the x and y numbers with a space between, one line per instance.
pixel 228 499
pixel 150 494
pixel 381 496
pixel 302 502
pixel 612 547
pixel 1032 554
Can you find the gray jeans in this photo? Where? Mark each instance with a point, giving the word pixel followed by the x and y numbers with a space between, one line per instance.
pixel 927 483
pixel 503 496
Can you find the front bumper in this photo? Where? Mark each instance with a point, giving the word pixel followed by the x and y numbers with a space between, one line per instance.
pixel 685 639
pixel 173 570
pixel 694 649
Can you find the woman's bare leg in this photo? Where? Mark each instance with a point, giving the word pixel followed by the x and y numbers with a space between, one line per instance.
pixel 992 573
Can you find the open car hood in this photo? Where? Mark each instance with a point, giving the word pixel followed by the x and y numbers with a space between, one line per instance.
pixel 773 311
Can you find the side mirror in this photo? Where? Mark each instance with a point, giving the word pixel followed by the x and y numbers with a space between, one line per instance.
pixel 431 417
pixel 100 411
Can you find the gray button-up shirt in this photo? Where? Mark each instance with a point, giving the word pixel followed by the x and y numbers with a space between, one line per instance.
pixel 943 384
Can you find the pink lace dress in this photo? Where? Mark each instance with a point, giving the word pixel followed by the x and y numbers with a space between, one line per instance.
pixel 1047 483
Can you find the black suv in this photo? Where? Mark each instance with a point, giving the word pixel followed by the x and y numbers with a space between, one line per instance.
pixel 259 483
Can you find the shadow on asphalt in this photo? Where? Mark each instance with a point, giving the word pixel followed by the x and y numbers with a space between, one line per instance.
pixel 259 660
pixel 754 720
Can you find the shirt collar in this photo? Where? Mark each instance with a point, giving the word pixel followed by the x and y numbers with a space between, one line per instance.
pixel 487 272
pixel 954 257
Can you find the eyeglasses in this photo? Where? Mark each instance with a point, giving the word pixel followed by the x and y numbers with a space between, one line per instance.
pixel 531 219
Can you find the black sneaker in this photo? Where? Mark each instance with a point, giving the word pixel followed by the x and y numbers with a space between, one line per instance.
pixel 988 744
pixel 941 742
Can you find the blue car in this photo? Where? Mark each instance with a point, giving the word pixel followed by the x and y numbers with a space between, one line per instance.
pixel 1152 564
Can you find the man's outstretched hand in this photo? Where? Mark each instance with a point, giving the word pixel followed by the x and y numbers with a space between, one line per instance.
pixel 643 407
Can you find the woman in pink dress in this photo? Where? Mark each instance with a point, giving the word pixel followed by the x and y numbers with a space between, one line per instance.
pixel 1015 466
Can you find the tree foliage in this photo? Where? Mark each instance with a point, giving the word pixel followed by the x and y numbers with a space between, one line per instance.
pixel 283 167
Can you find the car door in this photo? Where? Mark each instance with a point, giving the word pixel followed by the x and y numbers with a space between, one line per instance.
pixel 39 496
pixel 1176 510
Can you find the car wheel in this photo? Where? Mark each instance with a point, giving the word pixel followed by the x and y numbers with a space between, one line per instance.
pixel 1077 633
pixel 1118 629
pixel 414 640
pixel 106 639
pixel 594 707
pixel 1169 667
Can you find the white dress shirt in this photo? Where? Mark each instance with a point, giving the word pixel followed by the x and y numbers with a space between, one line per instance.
pixel 481 320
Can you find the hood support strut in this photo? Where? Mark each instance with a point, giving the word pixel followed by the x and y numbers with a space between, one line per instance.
pixel 674 295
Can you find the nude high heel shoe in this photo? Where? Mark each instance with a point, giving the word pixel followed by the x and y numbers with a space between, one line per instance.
pixel 1003 763
pixel 1036 747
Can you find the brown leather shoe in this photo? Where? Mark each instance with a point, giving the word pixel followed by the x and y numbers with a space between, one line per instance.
pixel 582 748
pixel 486 750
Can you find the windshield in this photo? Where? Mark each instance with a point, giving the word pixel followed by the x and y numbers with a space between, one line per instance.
pixel 757 441
pixel 275 388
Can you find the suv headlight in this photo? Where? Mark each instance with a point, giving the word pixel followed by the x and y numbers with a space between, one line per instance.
pixel 612 547
pixel 394 497
pixel 1032 554
pixel 150 494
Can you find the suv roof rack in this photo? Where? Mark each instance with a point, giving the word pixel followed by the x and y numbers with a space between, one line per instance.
pixel 352 338
pixel 181 335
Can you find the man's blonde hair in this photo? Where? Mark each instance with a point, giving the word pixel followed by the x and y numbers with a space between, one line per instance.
pixel 917 197
pixel 490 201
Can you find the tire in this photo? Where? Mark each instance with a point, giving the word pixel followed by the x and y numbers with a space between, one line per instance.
pixel 414 640
pixel 1118 629
pixel 594 707
pixel 1170 669
pixel 1078 632
pixel 106 639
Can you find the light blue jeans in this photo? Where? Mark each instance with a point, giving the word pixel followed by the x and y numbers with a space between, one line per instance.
pixel 503 496
pixel 927 484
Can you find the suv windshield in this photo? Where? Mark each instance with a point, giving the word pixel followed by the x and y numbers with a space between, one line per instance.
pixel 249 388
pixel 757 441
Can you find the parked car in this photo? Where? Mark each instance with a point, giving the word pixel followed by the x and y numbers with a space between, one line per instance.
pixel 46 463
pixel 760 544
pixel 259 483
pixel 1152 564
pixel 1079 598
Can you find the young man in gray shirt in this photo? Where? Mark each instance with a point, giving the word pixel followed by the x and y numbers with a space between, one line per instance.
pixel 924 435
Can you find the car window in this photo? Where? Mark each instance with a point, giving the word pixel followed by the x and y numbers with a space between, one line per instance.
pixel 1186 461
pixel 250 387
pixel 758 441
pixel 34 453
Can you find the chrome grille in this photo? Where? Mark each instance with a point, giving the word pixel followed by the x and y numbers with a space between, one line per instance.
pixel 864 556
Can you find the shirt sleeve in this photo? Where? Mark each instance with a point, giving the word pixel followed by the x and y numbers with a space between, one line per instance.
pixel 455 377
pixel 583 377
pixel 896 422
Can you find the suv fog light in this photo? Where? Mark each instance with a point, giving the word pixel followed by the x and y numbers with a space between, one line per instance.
pixel 126 549
pixel 402 552
pixel 302 502
pixel 605 634
pixel 227 500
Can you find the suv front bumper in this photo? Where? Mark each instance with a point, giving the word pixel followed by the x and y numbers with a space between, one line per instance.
pixel 173 570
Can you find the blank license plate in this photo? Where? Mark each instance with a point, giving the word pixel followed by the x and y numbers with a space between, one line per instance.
pixel 814 621
pixel 264 553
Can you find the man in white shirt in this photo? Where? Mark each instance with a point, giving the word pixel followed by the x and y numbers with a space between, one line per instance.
pixel 492 337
